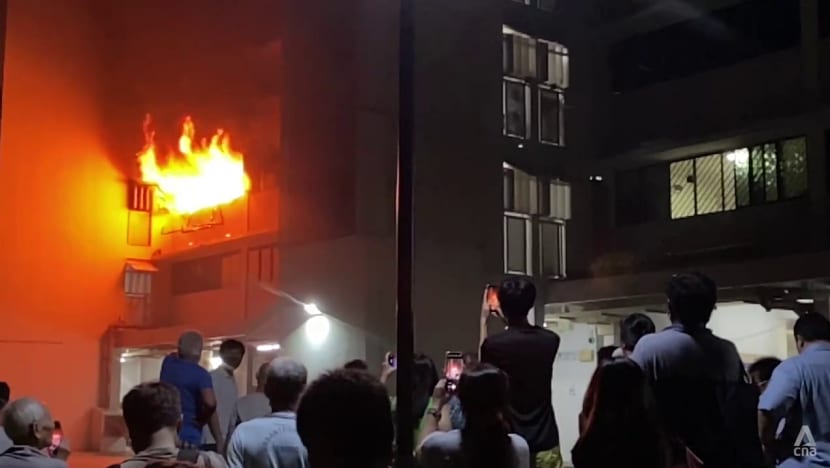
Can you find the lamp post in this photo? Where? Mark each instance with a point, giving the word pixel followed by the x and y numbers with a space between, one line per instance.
pixel 405 224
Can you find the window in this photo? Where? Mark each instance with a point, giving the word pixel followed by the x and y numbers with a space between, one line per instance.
pixel 535 71
pixel 534 205
pixel 755 28
pixel 551 103
pixel 794 167
pixel 552 248
pixel 734 179
pixel 517 244
pixel 205 274
pixel 516 109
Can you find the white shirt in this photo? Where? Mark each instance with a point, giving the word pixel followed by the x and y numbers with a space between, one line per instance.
pixel 443 450
pixel 224 387
pixel 269 442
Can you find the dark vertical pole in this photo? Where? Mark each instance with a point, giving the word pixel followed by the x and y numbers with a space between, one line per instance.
pixel 406 169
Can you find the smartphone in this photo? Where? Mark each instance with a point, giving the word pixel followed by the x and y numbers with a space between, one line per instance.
pixel 392 360
pixel 57 438
pixel 453 367
pixel 493 298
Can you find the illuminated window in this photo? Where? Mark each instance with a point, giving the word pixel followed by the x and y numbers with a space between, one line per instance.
pixel 516 108
pixel 552 248
pixel 518 244
pixel 794 167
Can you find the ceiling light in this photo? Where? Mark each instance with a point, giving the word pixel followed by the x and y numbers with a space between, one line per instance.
pixel 805 300
pixel 215 362
pixel 264 348
pixel 317 329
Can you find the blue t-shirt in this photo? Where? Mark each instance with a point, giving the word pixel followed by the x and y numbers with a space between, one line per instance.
pixel 190 379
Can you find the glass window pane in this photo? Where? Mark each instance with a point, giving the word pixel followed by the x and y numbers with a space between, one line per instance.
pixel 516 244
pixel 550 116
pixel 794 167
pixel 728 165
pixel 514 109
pixel 709 181
pixel 682 187
pixel 509 189
pixel 737 162
pixel 756 175
pixel 552 239
pixel 771 172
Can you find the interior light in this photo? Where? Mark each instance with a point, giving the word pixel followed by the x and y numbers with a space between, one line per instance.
pixel 123 359
pixel 215 362
pixel 521 145
pixel 317 329
pixel 228 235
pixel 268 347
pixel 805 300
pixel 312 309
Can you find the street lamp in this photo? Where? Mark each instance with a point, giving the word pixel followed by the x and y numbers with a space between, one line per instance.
pixel 317 326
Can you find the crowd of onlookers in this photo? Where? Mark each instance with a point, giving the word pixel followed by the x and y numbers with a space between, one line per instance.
pixel 674 398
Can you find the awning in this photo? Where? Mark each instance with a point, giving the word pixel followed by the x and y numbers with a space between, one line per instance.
pixel 140 265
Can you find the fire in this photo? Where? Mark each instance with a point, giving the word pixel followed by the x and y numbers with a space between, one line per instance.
pixel 200 176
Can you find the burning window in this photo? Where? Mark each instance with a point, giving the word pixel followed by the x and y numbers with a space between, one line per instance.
pixel 202 175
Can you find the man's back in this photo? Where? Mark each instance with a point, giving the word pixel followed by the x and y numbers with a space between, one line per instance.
pixel 190 379
pixel 23 456
pixel 692 375
pixel 803 382
pixel 526 355
pixel 269 442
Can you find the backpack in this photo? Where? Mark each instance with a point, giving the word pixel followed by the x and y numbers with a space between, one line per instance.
pixel 184 455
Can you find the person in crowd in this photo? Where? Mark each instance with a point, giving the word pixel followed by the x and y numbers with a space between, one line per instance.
pixel 485 441
pixel 5 396
pixel 622 427
pixel 345 421
pixel 424 378
pixel 692 371
pixel 800 385
pixel 29 425
pixel 526 353
pixel 224 387
pixel 198 400
pixel 357 364
pixel 454 418
pixel 153 415
pixel 272 441
pixel 761 370
pixel 605 355
pixel 632 329
pixel 252 405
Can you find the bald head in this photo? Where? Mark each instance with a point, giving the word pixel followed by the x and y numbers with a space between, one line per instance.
pixel 28 422
pixel 284 383
pixel 190 345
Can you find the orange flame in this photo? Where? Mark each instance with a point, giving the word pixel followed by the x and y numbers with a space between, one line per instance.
pixel 199 177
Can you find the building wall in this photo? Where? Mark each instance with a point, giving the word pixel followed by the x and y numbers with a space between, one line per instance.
pixel 64 205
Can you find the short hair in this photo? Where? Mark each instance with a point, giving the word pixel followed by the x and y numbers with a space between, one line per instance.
pixel 606 353
pixel 356 364
pixel 634 327
pixel 190 344
pixel 262 373
pixel 516 297
pixel 231 345
pixel 284 382
pixel 812 327
pixel 5 394
pixel 692 298
pixel 19 417
pixel 764 367
pixel 346 415
pixel 150 407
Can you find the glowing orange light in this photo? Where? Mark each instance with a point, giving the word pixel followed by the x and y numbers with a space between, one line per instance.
pixel 200 176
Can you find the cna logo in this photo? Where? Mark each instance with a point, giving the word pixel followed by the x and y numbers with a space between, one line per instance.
pixel 805 443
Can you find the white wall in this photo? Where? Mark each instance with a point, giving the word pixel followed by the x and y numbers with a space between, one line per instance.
pixel 572 372
pixel 756 332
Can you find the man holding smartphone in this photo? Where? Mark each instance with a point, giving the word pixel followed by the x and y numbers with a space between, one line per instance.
pixel 526 353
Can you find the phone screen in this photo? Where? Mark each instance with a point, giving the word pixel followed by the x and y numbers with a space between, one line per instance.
pixel 493 297
pixel 453 365
pixel 392 361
